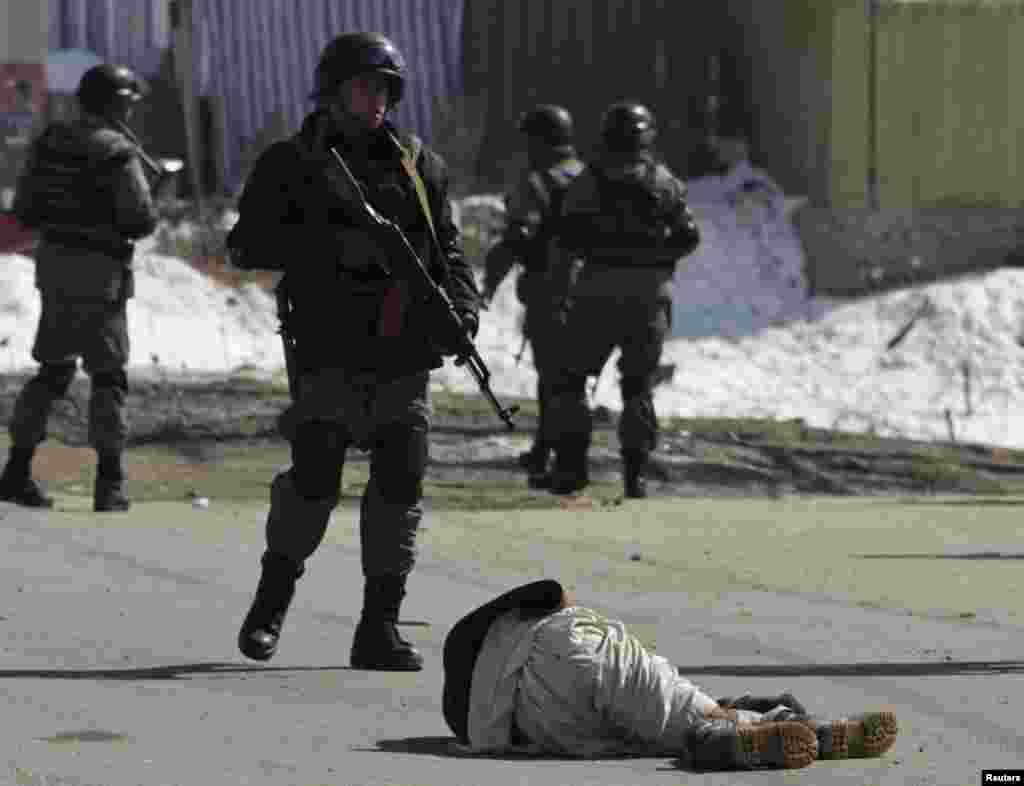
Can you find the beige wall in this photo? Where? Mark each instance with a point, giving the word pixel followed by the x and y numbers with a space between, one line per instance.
pixel 23 31
pixel 950 107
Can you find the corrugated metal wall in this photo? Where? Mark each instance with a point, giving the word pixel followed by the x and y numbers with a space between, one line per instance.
pixel 262 54
pixel 135 32
pixel 255 58
pixel 584 54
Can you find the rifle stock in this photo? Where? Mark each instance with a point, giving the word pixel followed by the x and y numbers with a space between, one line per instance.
pixel 467 354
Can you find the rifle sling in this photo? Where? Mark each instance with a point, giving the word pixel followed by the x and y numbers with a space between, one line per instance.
pixel 409 164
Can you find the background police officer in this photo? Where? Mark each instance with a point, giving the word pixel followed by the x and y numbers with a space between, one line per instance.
pixel 532 209
pixel 627 218
pixel 364 340
pixel 85 190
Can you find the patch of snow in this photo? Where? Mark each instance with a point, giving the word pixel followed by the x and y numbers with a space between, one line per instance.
pixel 747 341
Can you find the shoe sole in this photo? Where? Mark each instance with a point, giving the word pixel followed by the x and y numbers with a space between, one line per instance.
pixel 364 666
pixel 259 655
pixel 253 651
pixel 787 745
pixel 567 490
pixel 39 505
pixel 863 737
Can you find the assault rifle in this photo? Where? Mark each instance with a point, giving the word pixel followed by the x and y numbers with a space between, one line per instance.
pixel 161 169
pixel 466 354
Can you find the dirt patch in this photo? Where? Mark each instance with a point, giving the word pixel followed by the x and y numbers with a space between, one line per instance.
pixel 182 428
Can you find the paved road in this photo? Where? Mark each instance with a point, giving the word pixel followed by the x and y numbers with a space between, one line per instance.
pixel 118 663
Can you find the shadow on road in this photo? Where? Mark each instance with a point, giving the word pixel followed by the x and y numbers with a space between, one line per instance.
pixel 867 669
pixel 968 502
pixel 430 746
pixel 440 744
pixel 450 747
pixel 172 672
pixel 993 555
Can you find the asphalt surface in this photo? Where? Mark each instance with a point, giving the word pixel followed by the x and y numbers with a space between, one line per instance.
pixel 118 663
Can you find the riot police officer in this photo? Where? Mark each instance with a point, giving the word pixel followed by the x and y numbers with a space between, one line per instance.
pixel 532 211
pixel 84 189
pixel 364 342
pixel 627 218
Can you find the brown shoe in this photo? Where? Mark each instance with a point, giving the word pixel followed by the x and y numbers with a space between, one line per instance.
pixel 864 736
pixel 725 745
pixel 781 744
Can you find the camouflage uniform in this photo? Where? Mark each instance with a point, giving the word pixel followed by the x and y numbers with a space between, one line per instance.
pixel 531 210
pixel 364 348
pixel 628 220
pixel 85 190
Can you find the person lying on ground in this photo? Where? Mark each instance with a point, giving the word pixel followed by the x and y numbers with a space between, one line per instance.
pixel 533 672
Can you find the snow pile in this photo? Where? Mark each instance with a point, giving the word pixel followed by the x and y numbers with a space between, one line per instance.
pixel 747 341
pixel 179 321
pixel 955 365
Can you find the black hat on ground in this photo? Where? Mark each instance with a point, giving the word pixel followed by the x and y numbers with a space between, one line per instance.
pixel 462 645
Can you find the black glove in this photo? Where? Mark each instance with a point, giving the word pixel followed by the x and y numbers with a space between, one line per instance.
pixel 762 703
pixel 450 340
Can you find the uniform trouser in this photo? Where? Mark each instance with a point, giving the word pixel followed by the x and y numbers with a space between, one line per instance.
pixel 95 331
pixel 390 420
pixel 541 328
pixel 589 687
pixel 597 325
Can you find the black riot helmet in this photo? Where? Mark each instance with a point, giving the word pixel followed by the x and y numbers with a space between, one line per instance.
pixel 628 126
pixel 352 54
pixel 103 86
pixel 549 123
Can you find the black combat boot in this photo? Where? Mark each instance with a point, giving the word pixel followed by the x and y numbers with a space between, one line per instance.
pixel 633 464
pixel 377 644
pixel 725 745
pixel 108 492
pixel 261 629
pixel 535 462
pixel 570 474
pixel 16 484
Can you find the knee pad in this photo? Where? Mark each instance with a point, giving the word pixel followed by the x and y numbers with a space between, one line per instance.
pixel 57 377
pixel 318 456
pixel 116 379
pixel 399 463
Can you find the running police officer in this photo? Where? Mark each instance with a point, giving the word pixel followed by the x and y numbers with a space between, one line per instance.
pixel 627 218
pixel 364 343
pixel 532 211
